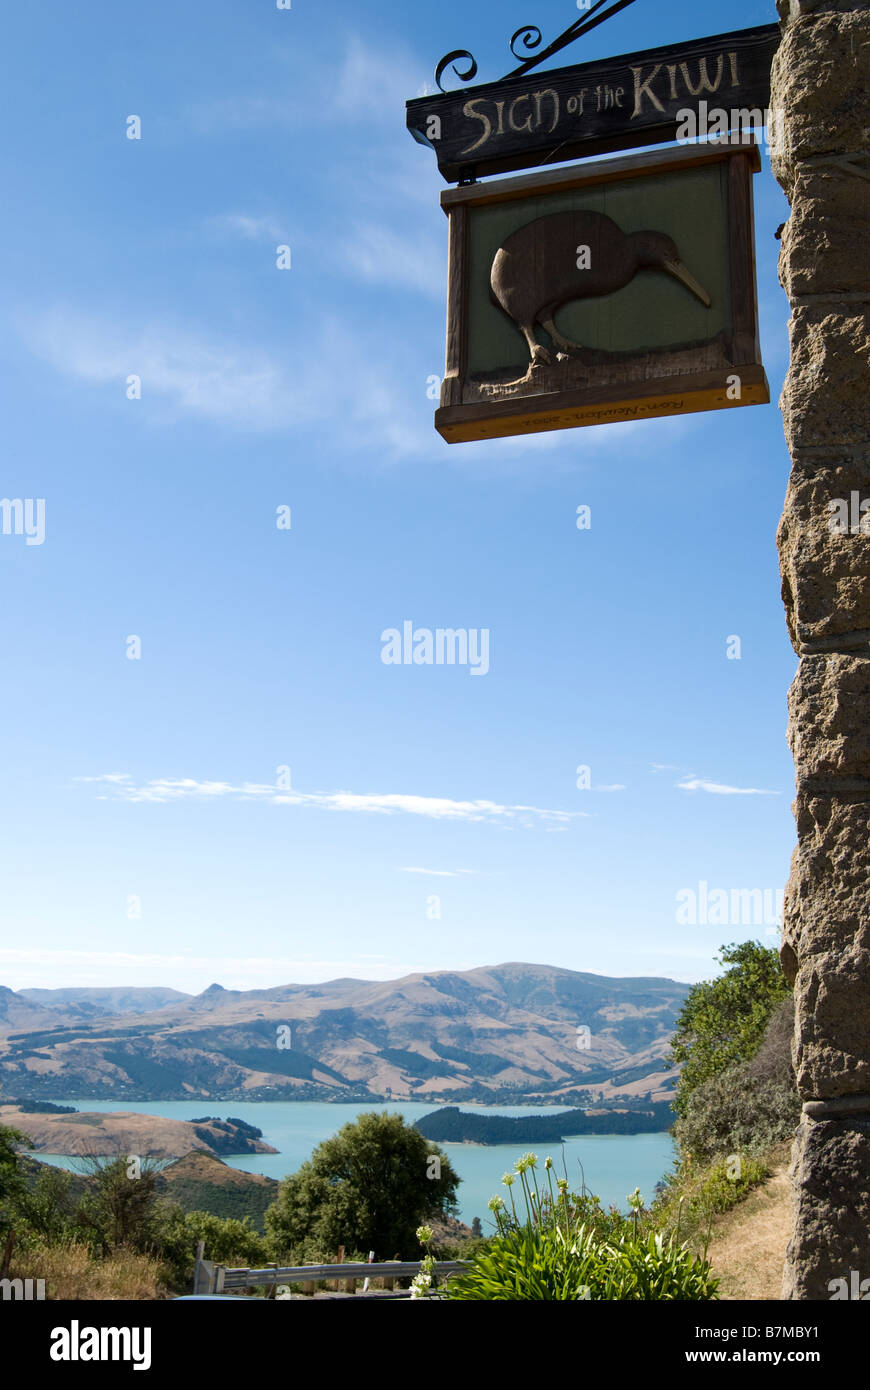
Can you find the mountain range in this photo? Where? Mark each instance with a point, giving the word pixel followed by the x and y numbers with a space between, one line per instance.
pixel 512 1032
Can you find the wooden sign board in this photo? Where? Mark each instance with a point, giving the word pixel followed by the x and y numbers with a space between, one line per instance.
pixel 596 108
pixel 617 290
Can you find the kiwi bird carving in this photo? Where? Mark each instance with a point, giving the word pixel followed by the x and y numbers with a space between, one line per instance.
pixel 545 264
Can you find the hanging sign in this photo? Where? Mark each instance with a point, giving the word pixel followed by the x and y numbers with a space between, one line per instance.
pixel 616 290
pixel 718 84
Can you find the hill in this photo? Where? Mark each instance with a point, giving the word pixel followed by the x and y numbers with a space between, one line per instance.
pixel 203 1182
pixel 85 1134
pixel 504 1033
pixel 29 1009
pixel 452 1125
pixel 82 1003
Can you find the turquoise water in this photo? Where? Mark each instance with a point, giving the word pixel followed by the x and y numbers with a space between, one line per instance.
pixel 613 1164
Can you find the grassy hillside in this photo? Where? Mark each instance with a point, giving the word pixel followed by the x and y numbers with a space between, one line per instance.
pixel 202 1182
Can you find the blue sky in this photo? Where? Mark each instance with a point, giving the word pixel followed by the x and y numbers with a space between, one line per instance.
pixel 260 647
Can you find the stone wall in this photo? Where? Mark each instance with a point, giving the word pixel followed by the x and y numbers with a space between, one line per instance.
pixel 821 84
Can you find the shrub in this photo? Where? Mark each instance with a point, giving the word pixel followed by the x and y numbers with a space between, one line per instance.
pixel 724 1021
pixel 227 1242
pixel 694 1195
pixel 736 1112
pixel 544 1264
pixel 561 1247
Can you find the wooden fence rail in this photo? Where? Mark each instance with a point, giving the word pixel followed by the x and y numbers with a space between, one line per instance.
pixel 215 1278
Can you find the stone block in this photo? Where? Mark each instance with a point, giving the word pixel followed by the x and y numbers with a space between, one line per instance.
pixel 821 83
pixel 826 400
pixel 830 1176
pixel 825 240
pixel 831 1050
pixel 824 547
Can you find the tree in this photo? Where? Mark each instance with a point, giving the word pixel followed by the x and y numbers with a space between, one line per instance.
pixel 12 1181
pixel 121 1206
pixel 367 1188
pixel 723 1021
pixel 48 1206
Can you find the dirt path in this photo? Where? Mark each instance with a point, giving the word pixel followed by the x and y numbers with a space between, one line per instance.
pixel 747 1250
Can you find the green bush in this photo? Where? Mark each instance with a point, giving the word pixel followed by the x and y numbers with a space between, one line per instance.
pixel 531 1265
pixel 544 1264
pixel 559 1247
pixel 724 1021
pixel 695 1194
pixel 736 1113
pixel 227 1242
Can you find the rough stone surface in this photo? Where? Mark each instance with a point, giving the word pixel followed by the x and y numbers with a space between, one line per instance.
pixel 826 400
pixel 826 896
pixel 824 547
pixel 830 1177
pixel 821 87
pixel 829 733
pixel 825 241
pixel 820 79
pixel 831 1051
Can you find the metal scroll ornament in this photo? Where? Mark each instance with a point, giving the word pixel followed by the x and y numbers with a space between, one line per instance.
pixel 529 38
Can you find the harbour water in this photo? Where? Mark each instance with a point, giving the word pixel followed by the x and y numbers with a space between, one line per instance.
pixel 613 1165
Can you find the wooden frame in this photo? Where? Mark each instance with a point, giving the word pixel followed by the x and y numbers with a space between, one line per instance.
pixel 626 385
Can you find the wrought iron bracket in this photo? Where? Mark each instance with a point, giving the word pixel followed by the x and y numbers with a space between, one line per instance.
pixel 529 37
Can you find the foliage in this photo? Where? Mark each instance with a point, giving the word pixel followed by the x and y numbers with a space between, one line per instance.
pixel 47 1208
pixel 454 1125
pixel 12 1182
pixel 694 1195
pixel 723 1021
pixel 193 1192
pixel 560 1247
pixel 367 1188
pixel 736 1113
pixel 43 1107
pixel 118 1209
pixel 74 1271
pixel 227 1242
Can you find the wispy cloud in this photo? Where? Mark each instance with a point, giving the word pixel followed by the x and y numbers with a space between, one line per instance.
pixel 164 789
pixel 195 373
pixel 372 84
pixel 250 228
pixel 612 787
pixel 438 873
pixel 699 784
pixel 380 256
pixel 366 87
pixel 231 383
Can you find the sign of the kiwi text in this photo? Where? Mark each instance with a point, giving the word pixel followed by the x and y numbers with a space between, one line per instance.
pixel 619 103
